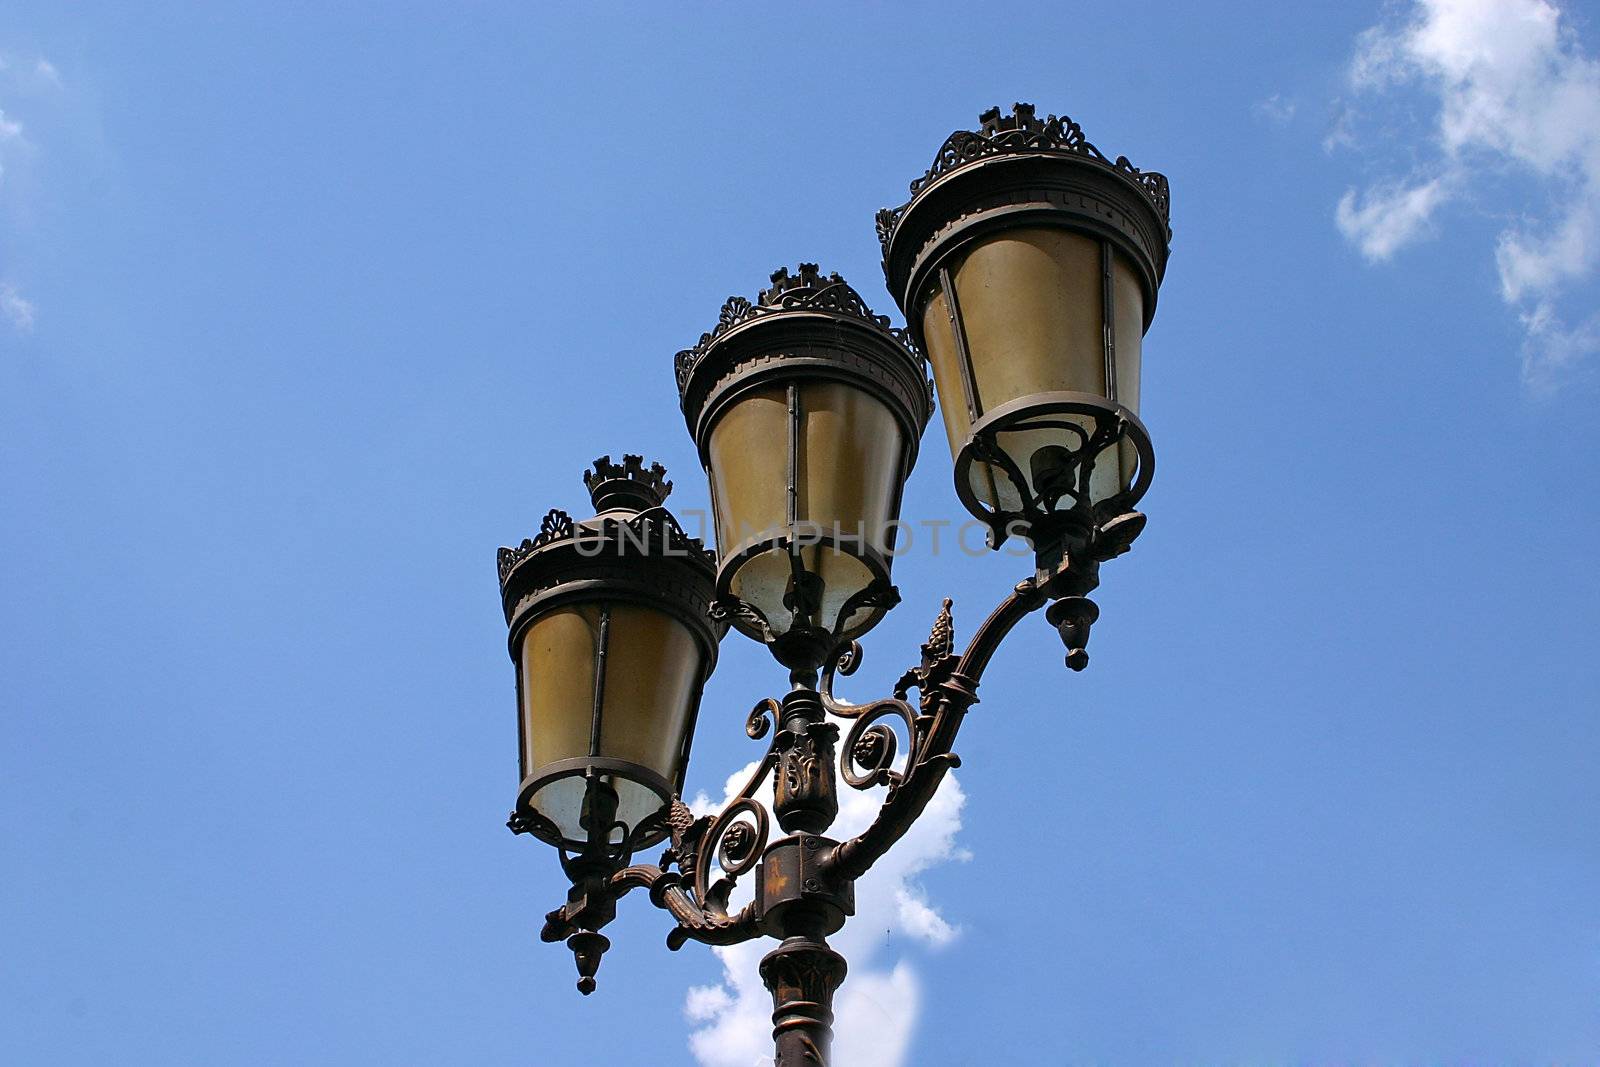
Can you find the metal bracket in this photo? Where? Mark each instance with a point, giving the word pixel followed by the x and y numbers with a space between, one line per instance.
pixel 795 871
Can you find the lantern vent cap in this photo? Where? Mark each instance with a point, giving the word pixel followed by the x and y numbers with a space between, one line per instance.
pixel 806 290
pixel 626 486
pixel 631 523
pixel 1023 133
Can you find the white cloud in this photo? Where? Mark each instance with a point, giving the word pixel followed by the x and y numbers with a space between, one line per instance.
pixel 1512 90
pixel 1387 219
pixel 15 308
pixel 876 1009
pixel 16 152
pixel 1552 351
pixel 1276 109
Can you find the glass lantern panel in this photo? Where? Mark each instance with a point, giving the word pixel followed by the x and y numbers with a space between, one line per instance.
pixel 748 458
pixel 1032 307
pixel 561 801
pixel 939 335
pixel 558 654
pixel 1128 317
pixel 847 484
pixel 653 664
pixel 652 667
pixel 849 469
pixel 761 582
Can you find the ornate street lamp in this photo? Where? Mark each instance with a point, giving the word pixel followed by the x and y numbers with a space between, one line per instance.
pixel 1027 264
pixel 611 634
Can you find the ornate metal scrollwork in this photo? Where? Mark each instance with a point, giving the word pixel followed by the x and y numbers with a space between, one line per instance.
pixel 727 609
pixel 871 746
pixel 869 749
pixel 734 837
pixel 806 290
pixel 687 883
pixel 1023 131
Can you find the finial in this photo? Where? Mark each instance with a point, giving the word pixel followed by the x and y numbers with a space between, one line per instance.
pixel 627 485
pixel 808 276
pixel 587 947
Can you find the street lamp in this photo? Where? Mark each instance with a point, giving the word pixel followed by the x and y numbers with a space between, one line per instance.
pixel 1027 264
pixel 611 634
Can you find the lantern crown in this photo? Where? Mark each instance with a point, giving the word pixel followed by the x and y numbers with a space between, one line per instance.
pixel 630 523
pixel 807 290
pixel 1023 132
pixel 628 485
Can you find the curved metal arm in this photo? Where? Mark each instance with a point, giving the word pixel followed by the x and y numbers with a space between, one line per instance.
pixel 736 836
pixel 695 923
pixel 947 686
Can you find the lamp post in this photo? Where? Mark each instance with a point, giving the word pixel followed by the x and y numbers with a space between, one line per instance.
pixel 1027 265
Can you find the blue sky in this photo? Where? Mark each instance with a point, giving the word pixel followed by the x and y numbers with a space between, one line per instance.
pixel 305 309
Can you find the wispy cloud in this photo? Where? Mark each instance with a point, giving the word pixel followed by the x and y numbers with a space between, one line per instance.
pixel 32 81
pixel 1276 109
pixel 1510 87
pixel 1383 220
pixel 17 310
pixel 14 308
pixel 876 1009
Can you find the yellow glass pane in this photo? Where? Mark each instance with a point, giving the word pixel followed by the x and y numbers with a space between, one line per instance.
pixel 849 465
pixel 939 337
pixel 1128 315
pixel 652 667
pixel 558 654
pixel 749 466
pixel 847 479
pixel 1032 307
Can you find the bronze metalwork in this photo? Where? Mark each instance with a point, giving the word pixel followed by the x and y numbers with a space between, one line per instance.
pixel 1015 167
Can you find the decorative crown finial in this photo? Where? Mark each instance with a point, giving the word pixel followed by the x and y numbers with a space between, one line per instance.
pixel 629 484
pixel 1022 132
pixel 809 276
pixel 1022 118
pixel 808 289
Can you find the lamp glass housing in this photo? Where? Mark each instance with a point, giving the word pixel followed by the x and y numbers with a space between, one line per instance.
pixel 608 684
pixel 1032 306
pixel 806 409
pixel 610 631
pixel 846 452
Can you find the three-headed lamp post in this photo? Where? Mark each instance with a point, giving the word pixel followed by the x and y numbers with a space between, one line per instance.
pixel 1027 265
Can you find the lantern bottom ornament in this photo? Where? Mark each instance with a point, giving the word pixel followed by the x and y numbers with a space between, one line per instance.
pixel 1049 469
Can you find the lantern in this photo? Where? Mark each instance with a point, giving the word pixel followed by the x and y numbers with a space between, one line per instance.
pixel 806 409
pixel 612 643
pixel 1027 265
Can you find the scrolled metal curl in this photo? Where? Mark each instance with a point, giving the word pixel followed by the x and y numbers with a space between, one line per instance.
pixel 761 718
pixel 845 663
pixel 869 750
pixel 747 822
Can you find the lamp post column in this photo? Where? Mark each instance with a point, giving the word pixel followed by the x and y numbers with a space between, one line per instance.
pixel 802 974
pixel 801 905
